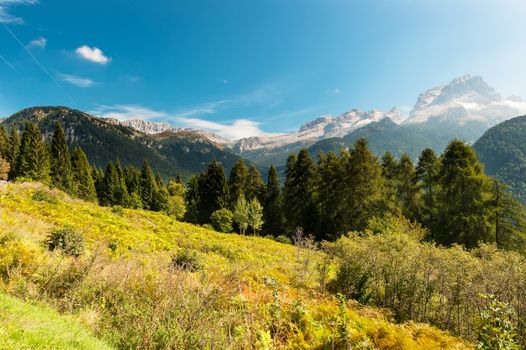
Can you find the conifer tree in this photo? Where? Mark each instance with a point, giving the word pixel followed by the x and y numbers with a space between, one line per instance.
pixel 390 172
pixel 4 142
pixel 464 212
pixel 365 186
pixel 33 159
pixel 11 152
pixel 255 187
pixel 191 200
pixel 213 191
pixel 61 173
pixel 237 181
pixel 148 187
pixel 407 187
pixel 98 178
pixel 84 184
pixel 132 177
pixel 331 195
pixel 300 193
pixel 427 177
pixel 115 192
pixel 272 210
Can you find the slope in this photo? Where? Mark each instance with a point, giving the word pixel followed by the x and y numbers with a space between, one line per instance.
pixel 502 149
pixel 240 292
pixel 26 326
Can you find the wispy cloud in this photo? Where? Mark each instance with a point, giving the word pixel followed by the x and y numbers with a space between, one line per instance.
pixel 238 129
pixel 127 112
pixel 39 43
pixel 92 54
pixel 6 17
pixel 76 80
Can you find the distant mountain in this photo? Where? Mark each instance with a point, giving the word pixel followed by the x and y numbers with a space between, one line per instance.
pixel 502 149
pixel 170 152
pixel 464 109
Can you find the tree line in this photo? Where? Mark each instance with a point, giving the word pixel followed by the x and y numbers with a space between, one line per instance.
pixel 29 158
pixel 449 194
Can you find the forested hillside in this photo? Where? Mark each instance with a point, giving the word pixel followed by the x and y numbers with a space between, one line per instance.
pixel 502 149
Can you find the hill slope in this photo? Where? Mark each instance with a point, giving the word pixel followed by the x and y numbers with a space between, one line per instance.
pixel 26 326
pixel 240 292
pixel 103 141
pixel 502 149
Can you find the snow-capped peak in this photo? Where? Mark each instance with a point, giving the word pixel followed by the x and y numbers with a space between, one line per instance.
pixel 465 98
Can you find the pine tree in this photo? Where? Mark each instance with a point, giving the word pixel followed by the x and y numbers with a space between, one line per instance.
pixel 115 186
pixel 427 177
pixel 331 195
pixel 255 187
pixel 365 195
pixel 255 215
pixel 272 210
pixel 300 193
pixel 509 219
pixel 464 212
pixel 11 152
pixel 132 176
pixel 390 172
pixel 407 187
pixel 4 142
pixel 213 191
pixel 61 173
pixel 237 181
pixel 33 159
pixel 191 200
pixel 100 187
pixel 148 187
pixel 84 184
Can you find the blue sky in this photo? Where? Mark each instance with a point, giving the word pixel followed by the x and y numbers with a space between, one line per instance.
pixel 246 67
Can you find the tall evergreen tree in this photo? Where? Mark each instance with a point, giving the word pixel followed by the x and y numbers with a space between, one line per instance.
pixel 213 191
pixel 255 187
pixel 148 187
pixel 390 172
pixel 4 142
pixel 61 173
pixel 273 206
pixel 509 219
pixel 365 186
pixel 331 195
pixel 407 187
pixel 191 200
pixel 115 192
pixel 237 181
pixel 464 213
pixel 300 193
pixel 427 177
pixel 12 150
pixel 33 159
pixel 84 184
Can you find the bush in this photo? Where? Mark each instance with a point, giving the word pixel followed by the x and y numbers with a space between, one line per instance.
pixel 66 239
pixel 43 196
pixel 187 260
pixel 283 239
pixel 222 220
pixel 117 210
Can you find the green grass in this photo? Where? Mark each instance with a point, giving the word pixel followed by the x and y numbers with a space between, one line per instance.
pixel 26 326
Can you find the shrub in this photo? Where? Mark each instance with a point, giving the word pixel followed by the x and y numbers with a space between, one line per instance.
pixel 187 260
pixel 117 210
pixel 496 330
pixel 283 239
pixel 222 220
pixel 67 240
pixel 43 196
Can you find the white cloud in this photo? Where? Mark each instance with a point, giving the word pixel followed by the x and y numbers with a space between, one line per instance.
pixel 76 80
pixel 240 128
pixel 336 91
pixel 6 17
pixel 92 54
pixel 39 42
pixel 126 112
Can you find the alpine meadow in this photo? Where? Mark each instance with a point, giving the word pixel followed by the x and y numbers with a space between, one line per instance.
pixel 232 175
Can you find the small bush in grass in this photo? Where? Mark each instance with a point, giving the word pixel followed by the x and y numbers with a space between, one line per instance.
pixel 43 196
pixel 66 239
pixel 208 227
pixel 283 239
pixel 117 210
pixel 222 220
pixel 187 260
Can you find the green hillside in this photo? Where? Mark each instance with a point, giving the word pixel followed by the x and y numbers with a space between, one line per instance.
pixel 147 281
pixel 170 154
pixel 24 326
pixel 502 149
